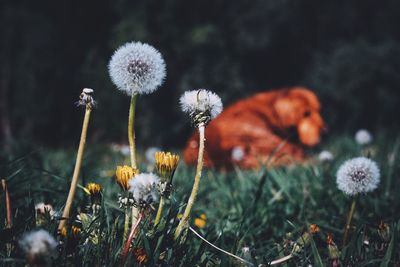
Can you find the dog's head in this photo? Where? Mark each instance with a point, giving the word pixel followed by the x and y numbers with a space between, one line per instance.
pixel 299 108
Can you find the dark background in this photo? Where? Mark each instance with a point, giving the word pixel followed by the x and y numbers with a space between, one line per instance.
pixel 346 51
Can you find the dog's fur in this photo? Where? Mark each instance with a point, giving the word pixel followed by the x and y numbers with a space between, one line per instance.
pixel 270 127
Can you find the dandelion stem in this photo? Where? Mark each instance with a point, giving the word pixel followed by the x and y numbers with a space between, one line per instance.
pixel 220 249
pixel 348 223
pixel 8 203
pixel 131 131
pixel 281 260
pixel 135 214
pixel 185 218
pixel 132 145
pixel 130 238
pixel 159 211
pixel 77 168
pixel 126 225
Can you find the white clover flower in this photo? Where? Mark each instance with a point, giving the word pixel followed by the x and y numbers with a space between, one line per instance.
pixel 39 246
pixel 358 175
pixel 150 154
pixel 137 68
pixel 144 188
pixel 325 155
pixel 237 153
pixel 202 105
pixel 363 137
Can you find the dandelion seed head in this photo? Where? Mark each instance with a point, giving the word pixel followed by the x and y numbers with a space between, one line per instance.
pixel 358 175
pixel 86 98
pixel 144 188
pixel 88 91
pixel 237 153
pixel 137 68
pixel 363 137
pixel 202 105
pixel 325 155
pixel 38 246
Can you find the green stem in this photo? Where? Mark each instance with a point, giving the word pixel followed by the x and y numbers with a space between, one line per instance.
pixel 348 223
pixel 126 225
pixel 135 214
pixel 159 211
pixel 131 131
pixel 185 218
pixel 132 145
pixel 77 168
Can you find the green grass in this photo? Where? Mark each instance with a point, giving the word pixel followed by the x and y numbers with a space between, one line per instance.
pixel 264 210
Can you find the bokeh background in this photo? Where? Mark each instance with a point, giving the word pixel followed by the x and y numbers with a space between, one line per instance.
pixel 348 52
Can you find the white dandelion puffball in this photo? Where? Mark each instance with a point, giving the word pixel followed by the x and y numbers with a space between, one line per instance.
pixel 202 102
pixel 358 175
pixel 137 68
pixel 237 153
pixel 325 155
pixel 38 246
pixel 144 188
pixel 363 137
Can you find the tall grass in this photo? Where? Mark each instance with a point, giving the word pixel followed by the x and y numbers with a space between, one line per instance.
pixel 264 210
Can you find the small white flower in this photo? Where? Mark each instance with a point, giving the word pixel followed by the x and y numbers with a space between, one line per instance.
pixel 38 247
pixel 358 175
pixel 363 137
pixel 137 68
pixel 202 105
pixel 144 188
pixel 237 153
pixel 325 155
pixel 150 154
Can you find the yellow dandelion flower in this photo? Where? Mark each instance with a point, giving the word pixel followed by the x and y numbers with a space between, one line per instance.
pixel 201 221
pixel 75 231
pixel 92 189
pixel 166 164
pixel 124 174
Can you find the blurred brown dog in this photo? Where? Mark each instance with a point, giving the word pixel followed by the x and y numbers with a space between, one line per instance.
pixel 269 127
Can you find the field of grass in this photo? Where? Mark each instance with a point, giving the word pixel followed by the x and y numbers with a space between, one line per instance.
pixel 258 215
